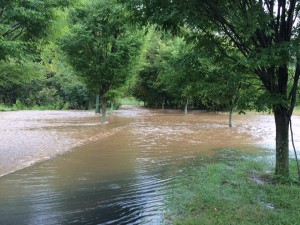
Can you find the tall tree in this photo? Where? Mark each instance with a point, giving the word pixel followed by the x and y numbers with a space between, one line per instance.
pixel 100 46
pixel 264 32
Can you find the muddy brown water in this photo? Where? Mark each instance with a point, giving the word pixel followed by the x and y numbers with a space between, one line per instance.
pixel 117 173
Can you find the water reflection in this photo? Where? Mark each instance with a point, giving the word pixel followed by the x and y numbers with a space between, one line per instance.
pixel 121 178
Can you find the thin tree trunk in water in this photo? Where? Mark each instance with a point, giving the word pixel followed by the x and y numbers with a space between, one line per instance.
pixel 186 106
pixel 97 104
pixel 111 106
pixel 282 141
pixel 103 106
pixel 230 116
pixel 163 103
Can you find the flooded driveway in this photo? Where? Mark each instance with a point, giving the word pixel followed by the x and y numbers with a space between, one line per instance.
pixel 28 137
pixel 117 173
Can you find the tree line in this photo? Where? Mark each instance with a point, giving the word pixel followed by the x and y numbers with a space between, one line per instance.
pixel 208 54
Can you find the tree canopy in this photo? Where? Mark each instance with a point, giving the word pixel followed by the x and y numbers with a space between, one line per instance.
pixel 100 45
pixel 23 23
pixel 23 27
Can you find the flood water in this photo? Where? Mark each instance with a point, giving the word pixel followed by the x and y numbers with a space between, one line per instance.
pixel 117 173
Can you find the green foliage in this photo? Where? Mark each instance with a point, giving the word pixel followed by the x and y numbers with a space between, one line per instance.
pixel 147 85
pixel 24 30
pixel 233 193
pixel 14 72
pixel 100 46
pixel 19 105
pixel 244 34
pixel 4 108
pixel 58 91
pixel 23 23
pixel 175 70
pixel 49 90
pixel 130 101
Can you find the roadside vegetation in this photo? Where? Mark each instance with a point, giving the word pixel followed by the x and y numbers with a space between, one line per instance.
pixel 4 108
pixel 243 191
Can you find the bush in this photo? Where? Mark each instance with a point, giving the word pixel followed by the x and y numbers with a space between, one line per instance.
pixel 19 105
pixel 4 108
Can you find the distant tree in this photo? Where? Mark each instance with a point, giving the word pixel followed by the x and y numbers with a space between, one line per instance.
pixel 228 85
pixel 147 86
pixel 100 46
pixel 182 72
pixel 189 71
pixel 13 74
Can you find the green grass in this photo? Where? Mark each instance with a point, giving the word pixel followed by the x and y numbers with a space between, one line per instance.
pixel 130 101
pixel 20 106
pixel 4 108
pixel 297 110
pixel 240 192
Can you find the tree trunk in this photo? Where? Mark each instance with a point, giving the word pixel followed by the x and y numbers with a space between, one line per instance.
pixel 230 116
pixel 112 106
pixel 186 106
pixel 104 107
pixel 282 141
pixel 97 104
pixel 163 102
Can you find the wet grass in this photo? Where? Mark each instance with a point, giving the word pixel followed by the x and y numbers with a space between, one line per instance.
pixel 236 192
pixel 4 108
pixel 297 110
pixel 130 101
pixel 20 106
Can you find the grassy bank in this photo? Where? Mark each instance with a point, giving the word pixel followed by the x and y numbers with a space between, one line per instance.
pixel 297 110
pixel 243 192
pixel 130 101
pixel 20 106
pixel 4 108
